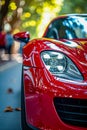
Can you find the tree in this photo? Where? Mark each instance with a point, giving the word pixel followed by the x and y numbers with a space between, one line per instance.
pixel 3 10
pixel 27 13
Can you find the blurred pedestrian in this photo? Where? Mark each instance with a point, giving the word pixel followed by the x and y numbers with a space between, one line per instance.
pixel 8 39
pixel 2 43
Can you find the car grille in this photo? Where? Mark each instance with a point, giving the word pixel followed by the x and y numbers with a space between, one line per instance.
pixel 72 111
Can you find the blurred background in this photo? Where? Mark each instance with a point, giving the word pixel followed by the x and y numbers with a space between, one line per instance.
pixel 34 15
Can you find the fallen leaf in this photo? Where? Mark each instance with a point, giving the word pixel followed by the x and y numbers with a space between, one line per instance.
pixel 10 90
pixel 18 109
pixel 8 109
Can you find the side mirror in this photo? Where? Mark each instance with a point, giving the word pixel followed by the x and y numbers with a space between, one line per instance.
pixel 22 37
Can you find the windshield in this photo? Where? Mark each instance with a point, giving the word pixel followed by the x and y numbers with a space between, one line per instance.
pixel 68 28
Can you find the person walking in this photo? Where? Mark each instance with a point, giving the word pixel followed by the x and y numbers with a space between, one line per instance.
pixel 9 40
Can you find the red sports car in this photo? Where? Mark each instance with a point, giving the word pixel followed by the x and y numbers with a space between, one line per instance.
pixel 54 81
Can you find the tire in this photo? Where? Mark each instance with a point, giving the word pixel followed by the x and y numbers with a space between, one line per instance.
pixel 25 126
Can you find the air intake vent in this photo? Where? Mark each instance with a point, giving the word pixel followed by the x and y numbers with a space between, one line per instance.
pixel 72 111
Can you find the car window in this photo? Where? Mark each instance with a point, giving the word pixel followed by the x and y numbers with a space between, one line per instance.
pixel 68 28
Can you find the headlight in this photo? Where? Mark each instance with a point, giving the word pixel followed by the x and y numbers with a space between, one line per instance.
pixel 60 65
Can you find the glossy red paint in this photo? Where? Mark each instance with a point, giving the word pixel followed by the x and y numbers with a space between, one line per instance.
pixel 22 36
pixel 41 86
pixel 49 99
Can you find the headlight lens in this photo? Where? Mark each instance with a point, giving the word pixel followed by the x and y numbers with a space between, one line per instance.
pixel 60 65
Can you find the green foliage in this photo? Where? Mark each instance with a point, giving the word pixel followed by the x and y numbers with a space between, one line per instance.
pixel 77 6
pixel 42 11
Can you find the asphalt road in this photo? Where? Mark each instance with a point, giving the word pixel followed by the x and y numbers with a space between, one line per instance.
pixel 10 95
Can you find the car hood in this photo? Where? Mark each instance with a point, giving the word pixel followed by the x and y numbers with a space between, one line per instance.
pixel 78 48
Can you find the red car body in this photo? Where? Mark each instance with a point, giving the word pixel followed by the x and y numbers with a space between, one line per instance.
pixel 55 101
